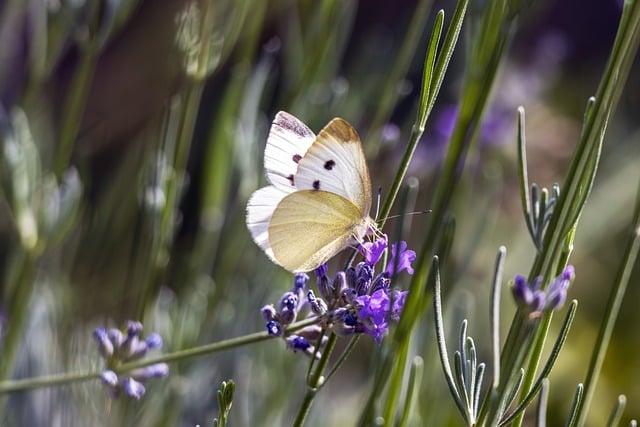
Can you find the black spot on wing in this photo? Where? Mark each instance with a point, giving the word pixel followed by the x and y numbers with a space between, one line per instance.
pixel 316 184
pixel 297 157
pixel 290 178
pixel 329 164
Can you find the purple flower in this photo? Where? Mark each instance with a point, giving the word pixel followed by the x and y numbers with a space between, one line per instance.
pixel 401 259
pixel 373 251
pixel 534 300
pixel 268 312
pixel 274 328
pixel 322 281
pixel 132 388
pixel 118 348
pixel 318 306
pixel 300 281
pixel 109 378
pixel 373 311
pixel 105 346
pixel 364 275
pixel 157 370
pixel 398 298
pixel 298 343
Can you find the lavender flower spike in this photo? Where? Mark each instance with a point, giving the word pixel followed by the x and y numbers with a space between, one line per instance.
pixel 534 300
pixel 117 349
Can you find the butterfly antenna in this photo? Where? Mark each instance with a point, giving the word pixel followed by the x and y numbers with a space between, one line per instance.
pixel 378 201
pixel 426 211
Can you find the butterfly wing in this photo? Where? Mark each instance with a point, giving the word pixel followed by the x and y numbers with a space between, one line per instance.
pixel 309 227
pixel 288 141
pixel 335 163
pixel 260 208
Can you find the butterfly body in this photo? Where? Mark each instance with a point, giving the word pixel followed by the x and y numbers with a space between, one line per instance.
pixel 320 194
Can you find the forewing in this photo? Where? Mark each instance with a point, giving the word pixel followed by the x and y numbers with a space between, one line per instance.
pixel 309 227
pixel 288 141
pixel 260 208
pixel 336 163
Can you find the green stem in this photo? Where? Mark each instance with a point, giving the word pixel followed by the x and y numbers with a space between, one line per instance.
pixel 74 108
pixel 395 384
pixel 71 377
pixel 611 313
pixel 315 382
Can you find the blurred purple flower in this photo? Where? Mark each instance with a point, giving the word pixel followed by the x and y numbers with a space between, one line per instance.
pixel 534 300
pixel 116 349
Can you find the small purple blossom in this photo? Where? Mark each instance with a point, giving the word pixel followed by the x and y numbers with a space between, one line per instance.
pixel 318 306
pixel 373 312
pixel 118 348
pixel 274 328
pixel 298 343
pixel 534 300
pixel 132 388
pixel 373 251
pixel 401 259
pixel 300 281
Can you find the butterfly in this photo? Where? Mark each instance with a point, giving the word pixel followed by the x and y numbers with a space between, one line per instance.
pixel 319 197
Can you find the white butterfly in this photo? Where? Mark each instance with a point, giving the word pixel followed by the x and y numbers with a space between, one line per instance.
pixel 320 194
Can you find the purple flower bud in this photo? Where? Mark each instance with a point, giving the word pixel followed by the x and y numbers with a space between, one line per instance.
pixel 300 281
pixel 289 301
pixel 109 378
pixel 318 306
pixel 382 281
pixel 137 349
pixel 350 318
pixel 274 328
pixel 538 301
pixel 349 296
pixel 322 271
pixel 350 275
pixel 132 388
pixel 364 275
pixel 116 337
pixel 296 343
pixel 537 283
pixel 268 312
pixel 130 345
pixel 521 292
pixel 105 346
pixel 569 273
pixel 556 300
pixel 154 341
pixel 157 370
pixel 324 287
pixel 134 328
pixel 339 284
pixel 287 316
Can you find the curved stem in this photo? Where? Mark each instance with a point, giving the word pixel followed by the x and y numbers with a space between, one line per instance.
pixel 71 377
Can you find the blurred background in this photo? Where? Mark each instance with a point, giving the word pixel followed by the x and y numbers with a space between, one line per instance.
pixel 145 124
